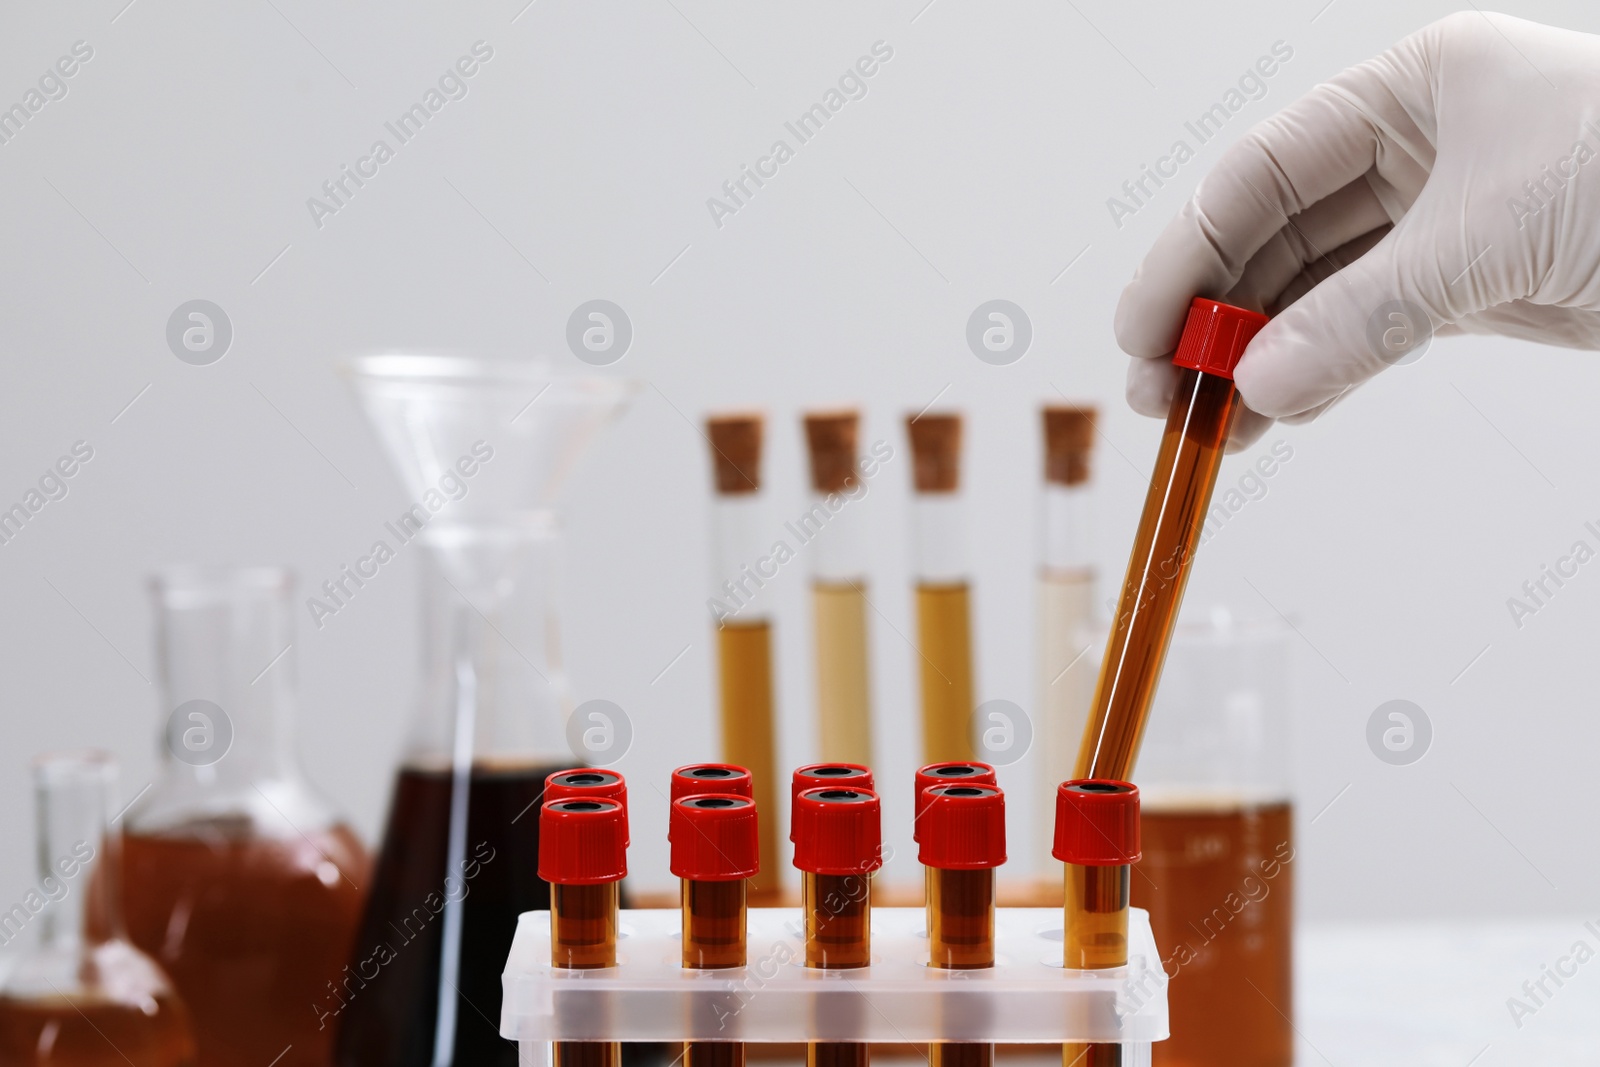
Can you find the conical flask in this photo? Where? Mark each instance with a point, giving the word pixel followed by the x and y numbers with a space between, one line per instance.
pixel 483 448
pixel 83 996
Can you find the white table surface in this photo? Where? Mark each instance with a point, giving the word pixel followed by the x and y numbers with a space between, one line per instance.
pixel 1436 995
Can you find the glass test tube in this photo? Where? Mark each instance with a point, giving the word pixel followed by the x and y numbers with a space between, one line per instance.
pixel 838 589
pixel 943 587
pixel 741 537
pixel 936 774
pixel 1097 838
pixel 715 851
pixel 583 855
pixel 1204 404
pixel 1066 614
pixel 963 840
pixel 838 838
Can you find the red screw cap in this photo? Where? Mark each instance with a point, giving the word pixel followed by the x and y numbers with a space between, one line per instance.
pixel 710 778
pixel 583 841
pixel 586 783
pixel 821 775
pixel 838 831
pixel 946 774
pixel 1097 823
pixel 714 838
pixel 964 827
pixel 1215 336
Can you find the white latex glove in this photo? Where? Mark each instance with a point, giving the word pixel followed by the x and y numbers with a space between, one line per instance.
pixel 1458 172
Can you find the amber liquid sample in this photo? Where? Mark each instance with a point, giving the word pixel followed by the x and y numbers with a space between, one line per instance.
pixel 838 911
pixel 583 926
pixel 251 930
pixel 960 937
pixel 744 659
pixel 583 935
pixel 844 702
pixel 1203 407
pixel 1218 883
pixel 387 1004
pixel 960 919
pixel 944 644
pixel 85 1032
pixel 713 936
pixel 1096 937
pixel 713 924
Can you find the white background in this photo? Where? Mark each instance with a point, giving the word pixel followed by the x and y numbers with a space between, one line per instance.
pixel 578 166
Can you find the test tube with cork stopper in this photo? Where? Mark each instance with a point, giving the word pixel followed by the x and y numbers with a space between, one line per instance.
pixel 838 589
pixel 744 624
pixel 943 586
pixel 1066 608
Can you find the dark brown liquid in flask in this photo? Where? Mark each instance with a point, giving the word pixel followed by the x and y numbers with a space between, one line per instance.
pixel 1218 883
pixel 388 1003
pixel 1202 412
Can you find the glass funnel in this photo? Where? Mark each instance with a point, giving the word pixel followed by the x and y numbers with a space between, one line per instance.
pixel 83 996
pixel 483 448
pixel 240 879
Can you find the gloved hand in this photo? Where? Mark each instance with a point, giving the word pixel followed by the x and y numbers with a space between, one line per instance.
pixel 1456 177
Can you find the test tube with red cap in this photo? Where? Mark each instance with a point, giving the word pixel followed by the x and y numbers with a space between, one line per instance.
pixel 935 774
pixel 715 849
pixel 838 843
pixel 1204 405
pixel 583 855
pixel 586 783
pixel 963 841
pixel 1097 837
pixel 710 778
pixel 822 775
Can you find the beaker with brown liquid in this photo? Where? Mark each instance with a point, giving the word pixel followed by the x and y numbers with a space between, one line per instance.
pixel 239 878
pixel 1218 870
pixel 83 996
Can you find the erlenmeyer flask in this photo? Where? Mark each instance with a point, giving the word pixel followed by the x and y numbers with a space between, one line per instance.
pixel 240 879
pixel 483 448
pixel 83 996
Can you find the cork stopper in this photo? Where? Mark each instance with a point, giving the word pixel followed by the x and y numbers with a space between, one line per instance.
pixel 831 439
pixel 935 452
pixel 735 452
pixel 1068 443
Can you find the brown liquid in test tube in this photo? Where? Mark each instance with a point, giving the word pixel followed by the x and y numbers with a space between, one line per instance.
pixel 839 602
pixel 583 855
pixel 961 840
pixel 1097 838
pixel 838 840
pixel 1204 405
pixel 744 643
pixel 715 852
pixel 944 609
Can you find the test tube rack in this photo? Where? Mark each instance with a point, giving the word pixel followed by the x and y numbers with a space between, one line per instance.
pixel 1026 998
